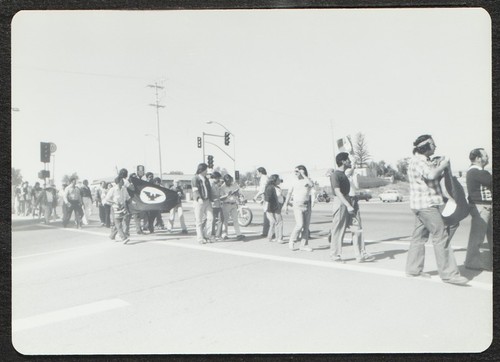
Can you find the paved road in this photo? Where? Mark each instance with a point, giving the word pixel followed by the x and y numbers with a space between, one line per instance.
pixel 76 291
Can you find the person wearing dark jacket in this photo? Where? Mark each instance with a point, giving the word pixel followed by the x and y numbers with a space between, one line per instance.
pixel 479 185
pixel 202 198
pixel 273 209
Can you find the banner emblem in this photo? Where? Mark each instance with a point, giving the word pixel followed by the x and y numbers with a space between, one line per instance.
pixel 151 195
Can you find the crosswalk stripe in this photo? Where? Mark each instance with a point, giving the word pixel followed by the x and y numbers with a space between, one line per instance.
pixel 325 264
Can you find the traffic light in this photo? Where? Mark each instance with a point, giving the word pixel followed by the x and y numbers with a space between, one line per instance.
pixel 237 175
pixel 45 152
pixel 199 142
pixel 226 138
pixel 210 161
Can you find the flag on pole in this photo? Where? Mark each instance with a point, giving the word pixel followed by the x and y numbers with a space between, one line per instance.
pixel 149 197
pixel 344 144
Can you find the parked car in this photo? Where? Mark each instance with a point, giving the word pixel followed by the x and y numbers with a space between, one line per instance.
pixel 364 195
pixel 391 195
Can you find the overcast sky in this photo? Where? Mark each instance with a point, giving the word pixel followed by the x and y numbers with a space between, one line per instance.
pixel 285 82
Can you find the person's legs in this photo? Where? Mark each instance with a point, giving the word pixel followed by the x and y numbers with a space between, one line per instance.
pixel 279 226
pixel 307 221
pixel 339 224
pixel 67 214
pixel 209 212
pixel 299 223
pixel 119 221
pixel 198 215
pixel 114 226
pixel 272 225
pixel 233 211
pixel 416 253
pixel 265 226
pixel 480 221
pixel 102 214
pixel 171 218
pixel 445 259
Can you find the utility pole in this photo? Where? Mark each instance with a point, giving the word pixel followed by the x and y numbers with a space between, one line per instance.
pixel 158 106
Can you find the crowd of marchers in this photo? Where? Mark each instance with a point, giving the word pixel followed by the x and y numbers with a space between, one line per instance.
pixel 215 203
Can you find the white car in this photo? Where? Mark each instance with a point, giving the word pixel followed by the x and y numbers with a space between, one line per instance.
pixel 391 195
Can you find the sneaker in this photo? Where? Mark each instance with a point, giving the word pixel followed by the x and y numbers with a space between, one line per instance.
pixel 457 280
pixel 291 246
pixel 202 241
pixel 337 259
pixel 305 248
pixel 126 240
pixel 365 258
pixel 421 275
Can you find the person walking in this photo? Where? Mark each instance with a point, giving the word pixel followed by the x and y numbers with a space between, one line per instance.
pixel 133 213
pixel 426 199
pixel 73 201
pixel 107 207
pixel 177 209
pixel 35 195
pixel 217 223
pixel 45 201
pixel 263 178
pixel 202 203
pixel 274 201
pixel 87 202
pixel 229 193
pixel 99 198
pixel 479 185
pixel 345 212
pixel 303 194
pixel 117 197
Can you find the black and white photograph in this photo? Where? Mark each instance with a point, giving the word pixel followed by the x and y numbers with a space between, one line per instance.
pixel 251 181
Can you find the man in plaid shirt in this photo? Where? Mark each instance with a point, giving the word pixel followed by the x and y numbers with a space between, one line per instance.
pixel 425 201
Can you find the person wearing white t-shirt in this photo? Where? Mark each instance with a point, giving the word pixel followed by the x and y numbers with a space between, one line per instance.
pixel 303 201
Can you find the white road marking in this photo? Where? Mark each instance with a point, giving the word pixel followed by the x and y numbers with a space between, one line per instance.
pixel 324 264
pixel 359 268
pixel 66 314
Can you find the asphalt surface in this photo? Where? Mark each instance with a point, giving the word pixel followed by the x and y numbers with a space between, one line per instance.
pixel 78 292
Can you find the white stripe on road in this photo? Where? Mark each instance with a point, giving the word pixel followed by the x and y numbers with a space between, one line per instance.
pixel 66 314
pixel 325 264
pixel 359 268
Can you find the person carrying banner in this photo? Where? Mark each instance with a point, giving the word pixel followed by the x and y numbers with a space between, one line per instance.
pixel 479 183
pixel 426 199
pixel 202 198
pixel 117 197
pixel 133 212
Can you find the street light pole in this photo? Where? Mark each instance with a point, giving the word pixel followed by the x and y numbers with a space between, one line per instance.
pixel 158 106
pixel 234 143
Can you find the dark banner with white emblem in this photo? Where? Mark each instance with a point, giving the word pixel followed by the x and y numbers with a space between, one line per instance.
pixel 149 197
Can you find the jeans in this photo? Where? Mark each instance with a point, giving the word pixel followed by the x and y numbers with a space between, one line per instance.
pixel 428 222
pixel 231 211
pixel 481 226
pixel 118 226
pixel 201 211
pixel 73 206
pixel 217 222
pixel 339 224
pixel 177 210
pixel 302 215
pixel 275 225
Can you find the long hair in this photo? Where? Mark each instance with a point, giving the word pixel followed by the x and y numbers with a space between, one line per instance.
pixel 262 170
pixel 273 179
pixel 420 145
pixel 201 167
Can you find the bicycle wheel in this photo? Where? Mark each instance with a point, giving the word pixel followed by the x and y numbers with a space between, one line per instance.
pixel 245 216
